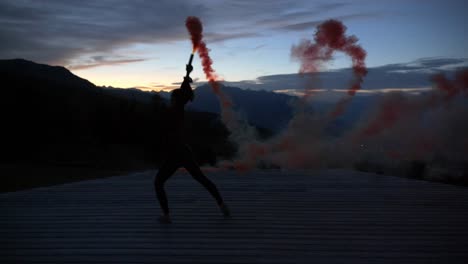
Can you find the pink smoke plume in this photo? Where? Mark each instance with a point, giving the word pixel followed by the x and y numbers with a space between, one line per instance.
pixel 240 131
pixel 452 88
pixel 417 127
pixel 400 127
pixel 395 107
pixel 229 116
pixel 301 144
pixel 330 37
pixel 195 28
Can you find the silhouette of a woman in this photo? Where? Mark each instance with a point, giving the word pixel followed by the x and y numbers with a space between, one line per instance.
pixel 178 154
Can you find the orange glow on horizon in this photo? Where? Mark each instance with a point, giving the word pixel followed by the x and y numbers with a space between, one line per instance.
pixel 129 78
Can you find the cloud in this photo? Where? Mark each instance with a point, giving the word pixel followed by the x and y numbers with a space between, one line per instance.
pixel 286 15
pixel 301 26
pixel 217 37
pixel 312 24
pixel 62 32
pixel 58 31
pixel 259 46
pixel 157 88
pixel 430 65
pixel 411 77
pixel 97 61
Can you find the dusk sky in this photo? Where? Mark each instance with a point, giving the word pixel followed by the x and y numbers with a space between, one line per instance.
pixel 145 43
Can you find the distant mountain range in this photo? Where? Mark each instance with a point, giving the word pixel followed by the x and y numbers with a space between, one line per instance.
pixel 269 110
pixel 264 109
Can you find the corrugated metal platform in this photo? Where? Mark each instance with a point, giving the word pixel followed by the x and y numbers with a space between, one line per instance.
pixel 331 216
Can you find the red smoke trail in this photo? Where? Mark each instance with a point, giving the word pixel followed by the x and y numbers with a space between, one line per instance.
pixel 211 76
pixel 330 37
pixel 195 28
pixel 239 131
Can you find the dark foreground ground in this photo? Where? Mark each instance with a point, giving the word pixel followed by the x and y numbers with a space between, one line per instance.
pixel 331 216
pixel 23 175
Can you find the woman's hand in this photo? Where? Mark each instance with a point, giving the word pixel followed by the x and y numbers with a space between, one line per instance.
pixel 189 68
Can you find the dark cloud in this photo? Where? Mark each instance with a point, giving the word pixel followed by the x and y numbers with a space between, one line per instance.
pixel 97 61
pixel 57 31
pixel 312 24
pixel 415 74
pixel 301 26
pixel 300 14
pixel 259 46
pixel 433 63
pixel 217 37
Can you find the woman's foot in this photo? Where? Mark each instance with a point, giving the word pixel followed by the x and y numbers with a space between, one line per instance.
pixel 225 210
pixel 165 219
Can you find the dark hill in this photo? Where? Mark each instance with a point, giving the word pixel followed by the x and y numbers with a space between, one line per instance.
pixel 40 72
pixel 49 115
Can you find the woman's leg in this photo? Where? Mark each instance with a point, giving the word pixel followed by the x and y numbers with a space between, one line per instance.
pixel 165 171
pixel 193 168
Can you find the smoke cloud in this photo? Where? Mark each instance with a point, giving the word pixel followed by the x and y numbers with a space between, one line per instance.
pixel 330 37
pixel 422 123
pixel 304 143
pixel 430 127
